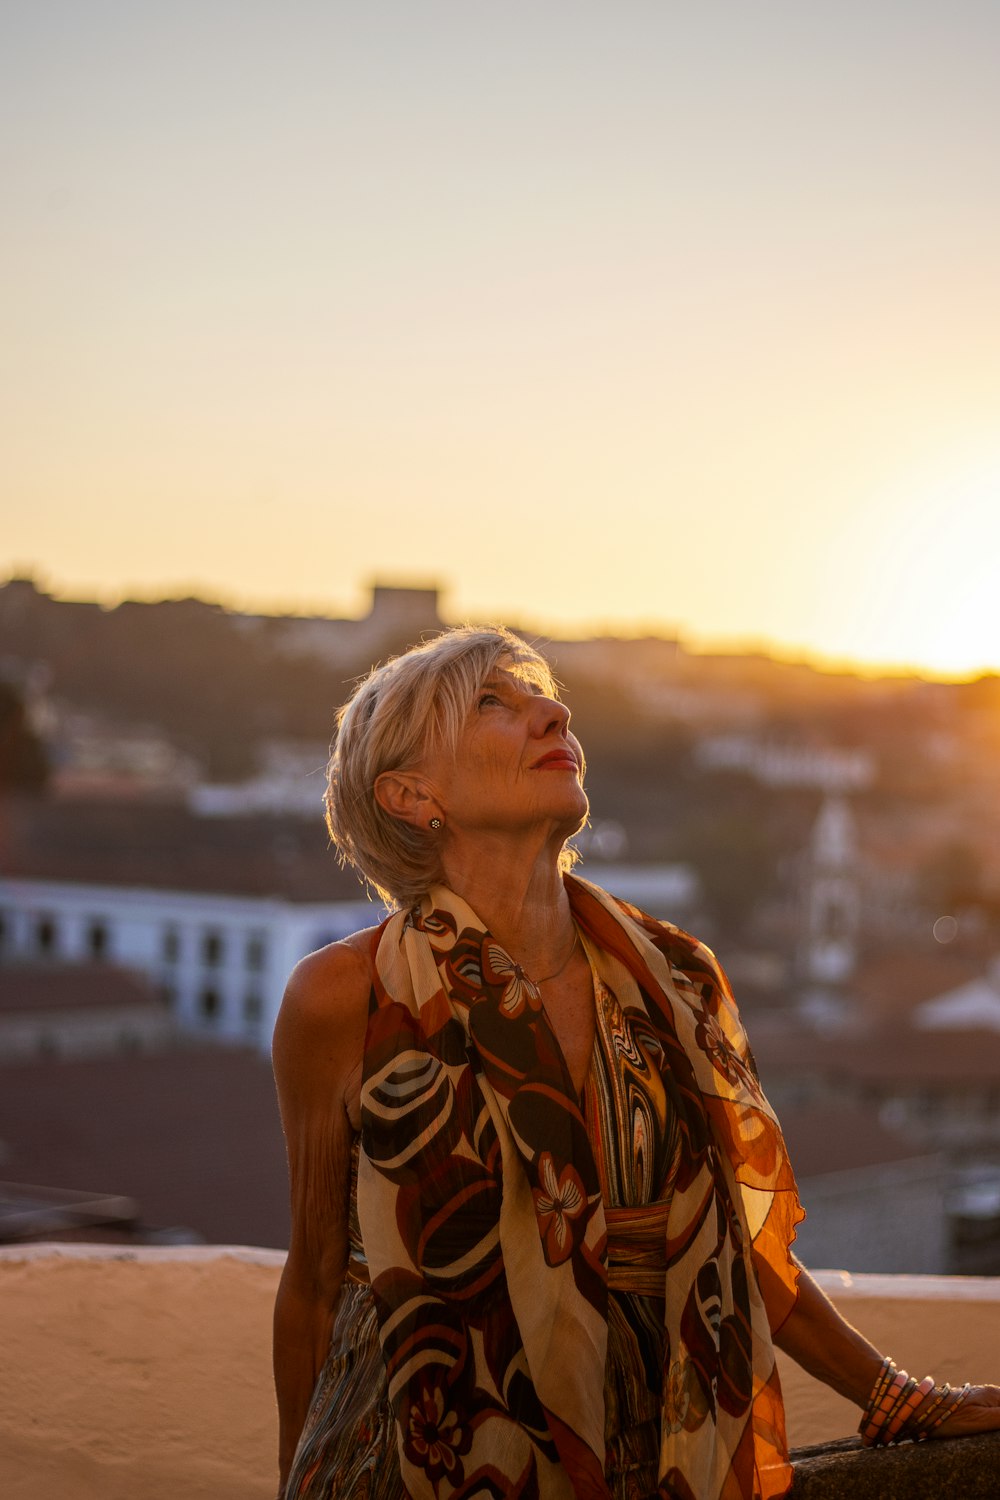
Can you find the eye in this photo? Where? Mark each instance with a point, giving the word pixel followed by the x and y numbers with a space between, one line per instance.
pixel 487 698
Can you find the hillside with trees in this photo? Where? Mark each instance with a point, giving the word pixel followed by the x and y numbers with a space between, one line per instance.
pixel 677 742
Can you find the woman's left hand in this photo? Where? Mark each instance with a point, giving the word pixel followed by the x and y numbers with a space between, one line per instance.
pixel 979 1412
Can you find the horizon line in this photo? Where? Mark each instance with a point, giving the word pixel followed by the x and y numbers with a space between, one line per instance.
pixel 693 642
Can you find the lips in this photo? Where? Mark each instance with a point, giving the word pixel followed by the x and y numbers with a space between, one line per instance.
pixel 557 760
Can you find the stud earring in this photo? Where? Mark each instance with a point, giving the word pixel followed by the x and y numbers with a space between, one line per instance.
pixel 435 824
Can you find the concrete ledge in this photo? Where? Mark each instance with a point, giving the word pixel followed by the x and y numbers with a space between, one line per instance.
pixel 132 1371
pixel 963 1468
pixel 137 1372
pixel 45 1252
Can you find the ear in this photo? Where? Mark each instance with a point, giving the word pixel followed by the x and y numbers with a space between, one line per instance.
pixel 407 796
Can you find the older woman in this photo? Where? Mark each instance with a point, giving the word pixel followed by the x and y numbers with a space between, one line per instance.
pixel 541 1210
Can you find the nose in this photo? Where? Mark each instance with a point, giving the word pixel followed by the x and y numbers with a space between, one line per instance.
pixel 551 716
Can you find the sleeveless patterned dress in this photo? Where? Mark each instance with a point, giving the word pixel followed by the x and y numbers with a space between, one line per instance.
pixel 348 1446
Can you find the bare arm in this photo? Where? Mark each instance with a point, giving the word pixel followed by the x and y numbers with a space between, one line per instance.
pixel 317 1052
pixel 818 1338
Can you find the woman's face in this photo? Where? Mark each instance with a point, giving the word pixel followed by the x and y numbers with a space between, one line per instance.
pixel 516 767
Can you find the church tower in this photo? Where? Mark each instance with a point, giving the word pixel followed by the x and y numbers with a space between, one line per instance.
pixel 831 916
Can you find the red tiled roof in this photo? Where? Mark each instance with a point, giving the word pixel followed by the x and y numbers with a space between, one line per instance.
pixel 192 1134
pixel 895 983
pixel 72 987
pixel 889 1055
pixel 165 847
pixel 828 1138
pixel 916 1057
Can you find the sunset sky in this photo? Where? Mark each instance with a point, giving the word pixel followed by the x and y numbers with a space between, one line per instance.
pixel 639 316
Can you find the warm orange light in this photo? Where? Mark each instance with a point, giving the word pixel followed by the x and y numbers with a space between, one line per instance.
pixel 917 571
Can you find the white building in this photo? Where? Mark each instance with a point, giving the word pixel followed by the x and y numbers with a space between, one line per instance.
pixel 974 1006
pixel 218 961
pixel 291 782
pixel 832 769
pixel 669 892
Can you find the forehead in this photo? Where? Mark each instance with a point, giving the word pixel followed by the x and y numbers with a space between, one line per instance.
pixel 529 675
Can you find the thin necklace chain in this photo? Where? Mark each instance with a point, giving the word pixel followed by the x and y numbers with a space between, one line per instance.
pixel 556 972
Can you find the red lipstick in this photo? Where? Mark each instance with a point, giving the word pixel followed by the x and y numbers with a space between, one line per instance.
pixel 557 760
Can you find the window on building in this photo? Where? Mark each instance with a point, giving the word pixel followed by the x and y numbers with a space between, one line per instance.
pixel 3 931
pixel 46 935
pixel 171 945
pixel 256 951
pixel 209 1004
pixel 252 1012
pixel 97 939
pixel 212 948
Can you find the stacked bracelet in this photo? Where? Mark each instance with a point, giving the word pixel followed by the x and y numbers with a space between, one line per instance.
pixel 900 1407
pixel 886 1372
pixel 937 1411
pixel 915 1395
pixel 886 1394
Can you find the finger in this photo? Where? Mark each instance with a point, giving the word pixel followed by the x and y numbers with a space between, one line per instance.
pixel 979 1412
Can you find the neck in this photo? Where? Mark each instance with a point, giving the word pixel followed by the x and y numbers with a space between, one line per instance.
pixel 518 893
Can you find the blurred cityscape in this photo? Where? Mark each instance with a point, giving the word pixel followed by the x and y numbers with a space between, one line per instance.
pixel 163 864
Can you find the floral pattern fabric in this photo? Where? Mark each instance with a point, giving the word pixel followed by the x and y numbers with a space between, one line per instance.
pixel 484 1223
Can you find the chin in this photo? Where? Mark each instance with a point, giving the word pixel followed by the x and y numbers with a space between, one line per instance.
pixel 573 816
pixel 578 821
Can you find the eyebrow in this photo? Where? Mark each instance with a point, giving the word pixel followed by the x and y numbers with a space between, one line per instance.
pixel 511 683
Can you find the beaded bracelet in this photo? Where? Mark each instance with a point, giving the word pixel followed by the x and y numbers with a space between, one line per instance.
pixel 900 1407
pixel 883 1380
pixel 901 1418
pixel 885 1419
pixel 926 1422
pixel 887 1392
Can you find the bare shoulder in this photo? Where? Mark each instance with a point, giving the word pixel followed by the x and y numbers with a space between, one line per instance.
pixel 324 1011
pixel 334 974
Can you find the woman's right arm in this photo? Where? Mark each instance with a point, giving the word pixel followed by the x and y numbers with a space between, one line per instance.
pixel 317 1053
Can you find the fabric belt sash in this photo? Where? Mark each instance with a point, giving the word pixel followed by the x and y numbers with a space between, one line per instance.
pixel 637 1256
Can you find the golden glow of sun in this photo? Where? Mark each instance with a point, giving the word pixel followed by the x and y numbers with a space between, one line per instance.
pixel 915 579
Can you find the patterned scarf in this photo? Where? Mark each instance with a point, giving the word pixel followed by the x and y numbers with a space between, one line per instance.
pixel 485 1231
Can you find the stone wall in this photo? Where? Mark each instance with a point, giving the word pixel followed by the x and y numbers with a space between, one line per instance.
pixel 146 1372
pixel 956 1469
pixel 130 1374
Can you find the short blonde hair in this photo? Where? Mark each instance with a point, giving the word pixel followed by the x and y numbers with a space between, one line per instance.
pixel 412 705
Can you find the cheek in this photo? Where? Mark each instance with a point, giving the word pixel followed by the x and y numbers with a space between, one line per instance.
pixel 492 755
pixel 499 766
